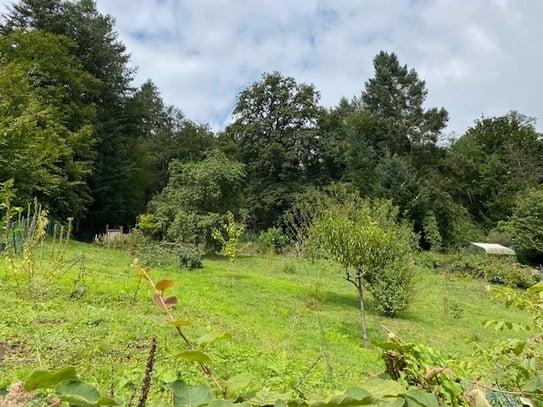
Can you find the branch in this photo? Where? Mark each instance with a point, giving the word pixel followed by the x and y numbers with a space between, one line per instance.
pixel 350 280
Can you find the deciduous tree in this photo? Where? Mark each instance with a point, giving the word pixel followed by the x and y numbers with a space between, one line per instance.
pixel 198 197
pixel 365 238
pixel 46 126
pixel 275 128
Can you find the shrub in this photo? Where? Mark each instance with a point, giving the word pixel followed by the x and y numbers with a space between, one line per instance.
pixel 189 257
pixel 271 241
pixel 147 224
pixel 492 269
pixel 391 287
pixel 155 255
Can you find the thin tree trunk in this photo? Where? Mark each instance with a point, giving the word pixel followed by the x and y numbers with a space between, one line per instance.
pixel 362 311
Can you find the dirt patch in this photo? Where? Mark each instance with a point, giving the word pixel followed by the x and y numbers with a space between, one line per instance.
pixel 12 351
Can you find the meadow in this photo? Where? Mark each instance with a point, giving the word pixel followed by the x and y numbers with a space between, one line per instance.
pixel 294 324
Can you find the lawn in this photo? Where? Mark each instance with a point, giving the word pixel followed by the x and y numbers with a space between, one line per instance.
pixel 294 324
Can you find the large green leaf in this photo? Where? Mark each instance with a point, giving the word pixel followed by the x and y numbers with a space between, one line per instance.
pixel 396 402
pixel 43 379
pixel 352 397
pixel 418 398
pixel 195 356
pixel 267 398
pixel 81 394
pixel 183 396
pixel 238 382
pixel 534 385
pixel 380 388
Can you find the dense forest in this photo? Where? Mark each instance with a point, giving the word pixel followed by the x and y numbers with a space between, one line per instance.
pixel 78 136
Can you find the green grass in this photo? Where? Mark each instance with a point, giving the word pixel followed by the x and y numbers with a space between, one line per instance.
pixel 293 323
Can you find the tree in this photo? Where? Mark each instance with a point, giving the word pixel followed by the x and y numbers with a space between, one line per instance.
pixel 231 245
pixel 46 125
pixel 395 98
pixel 198 197
pixel 116 180
pixel 365 238
pixel 492 162
pixel 274 127
pixel 165 134
pixel 392 149
pixel 525 226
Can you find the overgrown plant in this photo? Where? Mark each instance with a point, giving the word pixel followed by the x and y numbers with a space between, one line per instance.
pixel 517 364
pixel 271 240
pixel 38 266
pixel 418 365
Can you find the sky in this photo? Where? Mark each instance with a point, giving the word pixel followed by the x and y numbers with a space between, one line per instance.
pixel 478 58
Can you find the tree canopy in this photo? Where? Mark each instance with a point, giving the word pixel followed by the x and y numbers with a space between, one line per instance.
pixel 79 136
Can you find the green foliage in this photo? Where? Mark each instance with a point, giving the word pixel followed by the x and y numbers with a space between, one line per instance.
pixel 275 130
pixel 517 363
pixel 231 246
pixel 394 97
pixel 68 387
pixel 418 365
pixel 363 236
pixel 46 128
pixel 271 241
pixel 493 161
pixel 299 218
pixel 198 197
pixel 525 226
pixel 147 224
pixel 35 270
pixel 189 257
pixel 492 269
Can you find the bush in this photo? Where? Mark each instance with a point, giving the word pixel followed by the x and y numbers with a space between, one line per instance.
pixel 189 257
pixel 492 269
pixel 166 254
pixel 271 241
pixel 391 287
pixel 155 255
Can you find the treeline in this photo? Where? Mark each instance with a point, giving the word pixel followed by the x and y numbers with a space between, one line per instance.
pixel 77 135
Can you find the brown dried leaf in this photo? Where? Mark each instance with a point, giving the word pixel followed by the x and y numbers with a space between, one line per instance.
pixel 170 300
pixel 164 284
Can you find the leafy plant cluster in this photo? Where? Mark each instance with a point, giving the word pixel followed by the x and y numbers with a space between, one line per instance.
pixel 418 365
pixel 492 269
pixel 516 364
pixel 271 241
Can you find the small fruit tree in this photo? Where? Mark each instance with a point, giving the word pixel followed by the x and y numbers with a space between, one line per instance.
pixel 375 250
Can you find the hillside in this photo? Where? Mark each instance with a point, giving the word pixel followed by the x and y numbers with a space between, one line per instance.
pixel 293 324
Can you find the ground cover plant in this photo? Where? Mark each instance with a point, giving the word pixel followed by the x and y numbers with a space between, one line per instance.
pixel 293 324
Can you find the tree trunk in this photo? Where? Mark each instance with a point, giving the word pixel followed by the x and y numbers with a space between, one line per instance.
pixel 362 311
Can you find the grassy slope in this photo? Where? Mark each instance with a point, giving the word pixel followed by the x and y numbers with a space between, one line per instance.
pixel 291 322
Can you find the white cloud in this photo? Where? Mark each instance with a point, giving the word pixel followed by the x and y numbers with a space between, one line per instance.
pixel 476 57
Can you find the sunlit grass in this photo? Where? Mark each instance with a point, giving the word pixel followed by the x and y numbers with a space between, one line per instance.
pixel 293 323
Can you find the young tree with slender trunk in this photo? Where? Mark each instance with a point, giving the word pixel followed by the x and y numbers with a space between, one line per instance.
pixel 364 237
